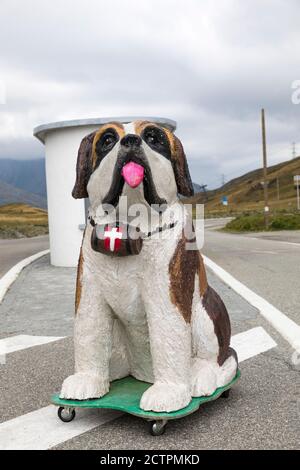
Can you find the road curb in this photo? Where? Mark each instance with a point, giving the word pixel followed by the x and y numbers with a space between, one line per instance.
pixel 9 278
pixel 287 328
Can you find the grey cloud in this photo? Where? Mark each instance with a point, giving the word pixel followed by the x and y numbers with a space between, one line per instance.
pixel 20 148
pixel 209 65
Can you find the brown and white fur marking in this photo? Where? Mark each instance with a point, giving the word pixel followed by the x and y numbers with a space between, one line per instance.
pixel 151 315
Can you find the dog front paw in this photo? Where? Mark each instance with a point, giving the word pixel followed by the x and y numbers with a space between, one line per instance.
pixel 84 385
pixel 165 397
pixel 203 378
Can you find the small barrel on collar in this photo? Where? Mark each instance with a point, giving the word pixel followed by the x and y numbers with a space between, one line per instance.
pixel 116 239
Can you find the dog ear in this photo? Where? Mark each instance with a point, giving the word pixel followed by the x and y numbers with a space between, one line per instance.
pixel 181 169
pixel 83 166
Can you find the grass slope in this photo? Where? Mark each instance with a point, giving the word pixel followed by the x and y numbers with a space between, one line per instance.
pixel 255 223
pixel 245 193
pixel 21 220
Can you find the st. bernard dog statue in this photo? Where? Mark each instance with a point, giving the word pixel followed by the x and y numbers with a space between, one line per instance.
pixel 143 305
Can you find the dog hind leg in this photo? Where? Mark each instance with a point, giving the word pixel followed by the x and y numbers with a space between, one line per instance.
pixel 207 371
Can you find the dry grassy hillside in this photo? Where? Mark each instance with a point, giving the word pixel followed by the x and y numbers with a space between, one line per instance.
pixel 245 193
pixel 21 220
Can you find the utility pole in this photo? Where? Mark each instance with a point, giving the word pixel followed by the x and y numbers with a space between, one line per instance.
pixel 297 183
pixel 223 181
pixel 294 150
pixel 203 190
pixel 264 149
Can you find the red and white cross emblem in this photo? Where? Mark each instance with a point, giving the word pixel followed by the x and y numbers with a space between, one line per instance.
pixel 112 238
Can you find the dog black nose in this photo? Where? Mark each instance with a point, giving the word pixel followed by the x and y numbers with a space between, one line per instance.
pixel 131 140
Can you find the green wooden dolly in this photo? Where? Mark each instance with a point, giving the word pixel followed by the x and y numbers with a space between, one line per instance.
pixel 125 394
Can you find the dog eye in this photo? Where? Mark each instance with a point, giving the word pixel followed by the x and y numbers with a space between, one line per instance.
pixel 108 140
pixel 105 144
pixel 151 137
pixel 157 140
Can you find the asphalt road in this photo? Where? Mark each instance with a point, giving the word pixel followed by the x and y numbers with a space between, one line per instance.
pixel 262 411
pixel 14 250
pixel 267 263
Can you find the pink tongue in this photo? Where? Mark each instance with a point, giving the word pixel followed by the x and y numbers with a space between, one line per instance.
pixel 133 174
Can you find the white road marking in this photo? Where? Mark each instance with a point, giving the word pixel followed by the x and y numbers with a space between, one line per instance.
pixel 284 325
pixel 42 429
pixel 252 342
pixel 264 252
pixel 273 240
pixel 19 342
pixel 218 219
pixel 214 226
pixel 11 275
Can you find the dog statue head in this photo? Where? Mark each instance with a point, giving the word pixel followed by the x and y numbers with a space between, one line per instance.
pixel 141 159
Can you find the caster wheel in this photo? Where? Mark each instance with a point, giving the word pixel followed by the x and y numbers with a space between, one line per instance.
pixel 225 394
pixel 66 414
pixel 157 428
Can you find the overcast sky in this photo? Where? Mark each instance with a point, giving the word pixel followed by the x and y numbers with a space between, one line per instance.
pixel 210 65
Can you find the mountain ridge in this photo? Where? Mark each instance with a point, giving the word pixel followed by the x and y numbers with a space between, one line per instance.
pixel 10 194
pixel 245 192
pixel 29 175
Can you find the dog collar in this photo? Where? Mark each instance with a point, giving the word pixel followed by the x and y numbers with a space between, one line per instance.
pixel 109 239
pixel 158 229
